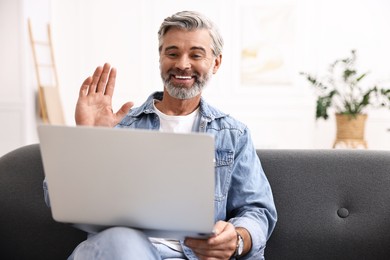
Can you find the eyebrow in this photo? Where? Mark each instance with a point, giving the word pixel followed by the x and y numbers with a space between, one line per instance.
pixel 173 47
pixel 199 49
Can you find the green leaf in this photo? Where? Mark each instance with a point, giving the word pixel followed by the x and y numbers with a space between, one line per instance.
pixel 361 77
pixel 348 73
pixel 341 89
pixel 323 104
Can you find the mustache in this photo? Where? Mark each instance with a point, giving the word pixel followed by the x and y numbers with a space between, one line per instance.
pixel 186 73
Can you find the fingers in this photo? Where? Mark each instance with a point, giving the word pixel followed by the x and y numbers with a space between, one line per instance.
pixel 101 85
pixel 95 80
pixel 102 80
pixel 220 246
pixel 221 226
pixel 85 87
pixel 224 233
pixel 111 82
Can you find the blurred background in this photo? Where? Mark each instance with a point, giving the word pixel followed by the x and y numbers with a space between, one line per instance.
pixel 267 44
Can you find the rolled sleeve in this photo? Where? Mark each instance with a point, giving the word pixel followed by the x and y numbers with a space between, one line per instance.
pixel 257 233
pixel 251 203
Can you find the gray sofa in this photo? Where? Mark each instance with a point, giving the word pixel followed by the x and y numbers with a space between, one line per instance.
pixel 332 204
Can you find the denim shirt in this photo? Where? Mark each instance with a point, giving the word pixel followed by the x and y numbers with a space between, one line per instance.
pixel 243 195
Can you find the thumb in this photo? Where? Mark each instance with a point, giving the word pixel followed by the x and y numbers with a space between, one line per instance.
pixel 124 109
pixel 220 226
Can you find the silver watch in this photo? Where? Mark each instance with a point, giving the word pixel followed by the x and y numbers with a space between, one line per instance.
pixel 240 245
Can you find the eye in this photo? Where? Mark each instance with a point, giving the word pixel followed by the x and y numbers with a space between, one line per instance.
pixel 196 56
pixel 171 55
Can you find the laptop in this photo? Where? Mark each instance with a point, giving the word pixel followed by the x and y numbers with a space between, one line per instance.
pixel 161 183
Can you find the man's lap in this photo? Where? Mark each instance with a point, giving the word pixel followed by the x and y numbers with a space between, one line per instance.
pixel 122 243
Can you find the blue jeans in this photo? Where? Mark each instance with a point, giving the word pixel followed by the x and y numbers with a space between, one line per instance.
pixel 122 243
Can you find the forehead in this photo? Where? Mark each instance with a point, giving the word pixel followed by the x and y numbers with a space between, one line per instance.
pixel 183 39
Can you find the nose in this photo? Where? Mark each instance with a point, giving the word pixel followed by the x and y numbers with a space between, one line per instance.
pixel 183 62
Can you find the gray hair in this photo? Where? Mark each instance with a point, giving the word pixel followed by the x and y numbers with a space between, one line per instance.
pixel 190 20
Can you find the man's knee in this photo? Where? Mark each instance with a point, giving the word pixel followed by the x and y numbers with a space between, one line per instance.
pixel 121 236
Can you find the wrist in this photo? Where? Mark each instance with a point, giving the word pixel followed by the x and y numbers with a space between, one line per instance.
pixel 247 241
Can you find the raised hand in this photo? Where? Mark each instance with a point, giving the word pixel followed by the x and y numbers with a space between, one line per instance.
pixel 94 105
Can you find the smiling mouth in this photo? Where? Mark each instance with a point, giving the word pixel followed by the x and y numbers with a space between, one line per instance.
pixel 182 77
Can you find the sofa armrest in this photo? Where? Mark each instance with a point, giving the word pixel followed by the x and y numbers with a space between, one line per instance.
pixel 27 230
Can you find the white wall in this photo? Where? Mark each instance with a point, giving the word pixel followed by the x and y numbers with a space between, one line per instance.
pixel 124 33
pixel 18 87
pixel 87 33
pixel 11 98
pixel 361 25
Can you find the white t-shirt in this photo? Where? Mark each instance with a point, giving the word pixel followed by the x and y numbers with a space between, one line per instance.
pixel 175 124
pixel 178 124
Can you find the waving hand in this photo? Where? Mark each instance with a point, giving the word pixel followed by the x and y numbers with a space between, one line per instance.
pixel 94 105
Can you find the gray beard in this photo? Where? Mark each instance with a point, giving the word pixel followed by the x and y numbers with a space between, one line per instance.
pixel 181 92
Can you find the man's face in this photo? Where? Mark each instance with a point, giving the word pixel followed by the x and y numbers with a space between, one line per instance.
pixel 187 62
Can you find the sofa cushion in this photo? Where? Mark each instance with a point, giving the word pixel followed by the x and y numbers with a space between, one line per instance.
pixel 332 204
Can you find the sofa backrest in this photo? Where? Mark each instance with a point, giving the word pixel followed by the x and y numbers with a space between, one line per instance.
pixel 332 204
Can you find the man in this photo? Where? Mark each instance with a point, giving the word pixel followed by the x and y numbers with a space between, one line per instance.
pixel 190 49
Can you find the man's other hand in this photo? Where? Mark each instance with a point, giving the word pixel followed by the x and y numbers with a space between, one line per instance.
pixel 220 246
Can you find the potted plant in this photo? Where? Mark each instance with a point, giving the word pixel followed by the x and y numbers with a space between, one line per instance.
pixel 341 89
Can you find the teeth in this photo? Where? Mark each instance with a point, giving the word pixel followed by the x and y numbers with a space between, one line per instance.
pixel 183 77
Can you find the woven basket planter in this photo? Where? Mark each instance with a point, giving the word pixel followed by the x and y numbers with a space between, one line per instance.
pixel 349 127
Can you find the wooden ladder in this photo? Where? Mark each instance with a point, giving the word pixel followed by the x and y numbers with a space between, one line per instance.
pixel 50 106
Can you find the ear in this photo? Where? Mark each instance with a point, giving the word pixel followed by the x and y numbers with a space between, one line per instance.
pixel 217 63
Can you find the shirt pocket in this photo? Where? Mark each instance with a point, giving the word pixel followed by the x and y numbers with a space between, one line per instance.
pixel 223 171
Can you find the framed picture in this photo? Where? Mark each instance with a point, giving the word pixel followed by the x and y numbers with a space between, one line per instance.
pixel 267 43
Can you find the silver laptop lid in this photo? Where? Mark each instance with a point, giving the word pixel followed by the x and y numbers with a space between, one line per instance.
pixel 160 182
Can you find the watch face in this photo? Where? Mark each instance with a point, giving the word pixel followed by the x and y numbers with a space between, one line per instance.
pixel 240 245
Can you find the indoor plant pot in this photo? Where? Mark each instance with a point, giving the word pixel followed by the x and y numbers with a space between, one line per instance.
pixel 352 128
pixel 350 131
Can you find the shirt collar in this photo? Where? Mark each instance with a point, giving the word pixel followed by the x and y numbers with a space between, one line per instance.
pixel 206 110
